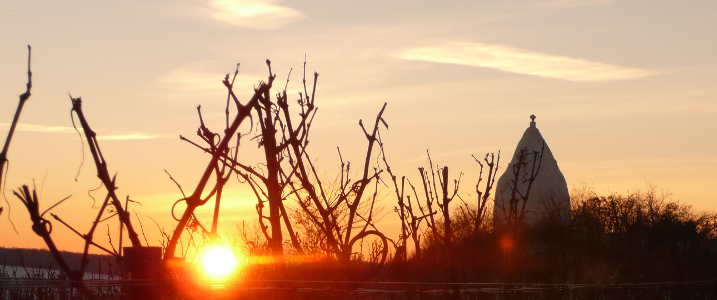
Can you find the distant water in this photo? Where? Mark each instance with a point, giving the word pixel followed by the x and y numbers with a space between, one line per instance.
pixel 19 272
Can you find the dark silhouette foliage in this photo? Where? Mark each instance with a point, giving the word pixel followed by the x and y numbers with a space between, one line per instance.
pixel 638 237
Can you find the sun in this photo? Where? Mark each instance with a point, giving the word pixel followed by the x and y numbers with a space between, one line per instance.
pixel 218 262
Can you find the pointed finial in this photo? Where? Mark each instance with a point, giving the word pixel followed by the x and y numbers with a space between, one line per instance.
pixel 532 120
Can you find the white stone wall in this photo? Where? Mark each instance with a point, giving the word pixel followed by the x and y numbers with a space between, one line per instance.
pixel 549 193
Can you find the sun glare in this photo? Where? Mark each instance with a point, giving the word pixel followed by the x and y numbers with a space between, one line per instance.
pixel 218 262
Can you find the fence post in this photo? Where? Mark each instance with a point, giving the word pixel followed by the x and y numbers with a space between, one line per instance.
pixel 143 264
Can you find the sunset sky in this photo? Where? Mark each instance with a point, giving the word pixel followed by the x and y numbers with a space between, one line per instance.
pixel 624 91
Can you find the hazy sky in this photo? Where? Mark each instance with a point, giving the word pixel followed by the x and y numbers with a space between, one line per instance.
pixel 624 91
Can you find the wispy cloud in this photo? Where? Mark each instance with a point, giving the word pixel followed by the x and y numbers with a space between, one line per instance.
pixel 40 128
pixel 129 137
pixel 254 14
pixel 189 79
pixel 519 61
pixel 26 127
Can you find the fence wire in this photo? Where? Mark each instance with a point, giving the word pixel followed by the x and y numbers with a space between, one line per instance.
pixel 20 289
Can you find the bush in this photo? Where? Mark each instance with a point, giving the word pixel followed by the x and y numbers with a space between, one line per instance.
pixel 636 237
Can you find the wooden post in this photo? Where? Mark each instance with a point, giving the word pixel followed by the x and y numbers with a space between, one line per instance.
pixel 143 264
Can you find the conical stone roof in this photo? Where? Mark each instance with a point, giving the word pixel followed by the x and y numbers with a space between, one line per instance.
pixel 549 193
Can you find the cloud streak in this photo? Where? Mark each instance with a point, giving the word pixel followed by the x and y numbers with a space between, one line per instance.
pixel 195 81
pixel 254 14
pixel 26 127
pixel 129 137
pixel 519 61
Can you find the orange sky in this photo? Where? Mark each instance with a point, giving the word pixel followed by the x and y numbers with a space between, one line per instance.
pixel 624 90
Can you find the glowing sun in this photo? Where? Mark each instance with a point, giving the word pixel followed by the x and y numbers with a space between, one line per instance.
pixel 218 262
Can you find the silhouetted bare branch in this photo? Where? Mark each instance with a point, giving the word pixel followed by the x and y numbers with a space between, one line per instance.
pixel 218 150
pixel 525 170
pixel 16 117
pixel 491 162
pixel 102 173
pixel 43 228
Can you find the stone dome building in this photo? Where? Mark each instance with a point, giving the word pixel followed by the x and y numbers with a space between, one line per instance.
pixel 546 196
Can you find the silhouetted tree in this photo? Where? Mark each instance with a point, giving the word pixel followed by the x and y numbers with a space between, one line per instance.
pixel 441 197
pixel 278 135
pixel 43 228
pixel 491 162
pixel 524 171
pixel 220 163
pixel 15 119
pixel 337 215
pixel 103 173
pixel 410 211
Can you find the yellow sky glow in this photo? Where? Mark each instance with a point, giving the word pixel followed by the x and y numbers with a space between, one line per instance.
pixel 623 91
